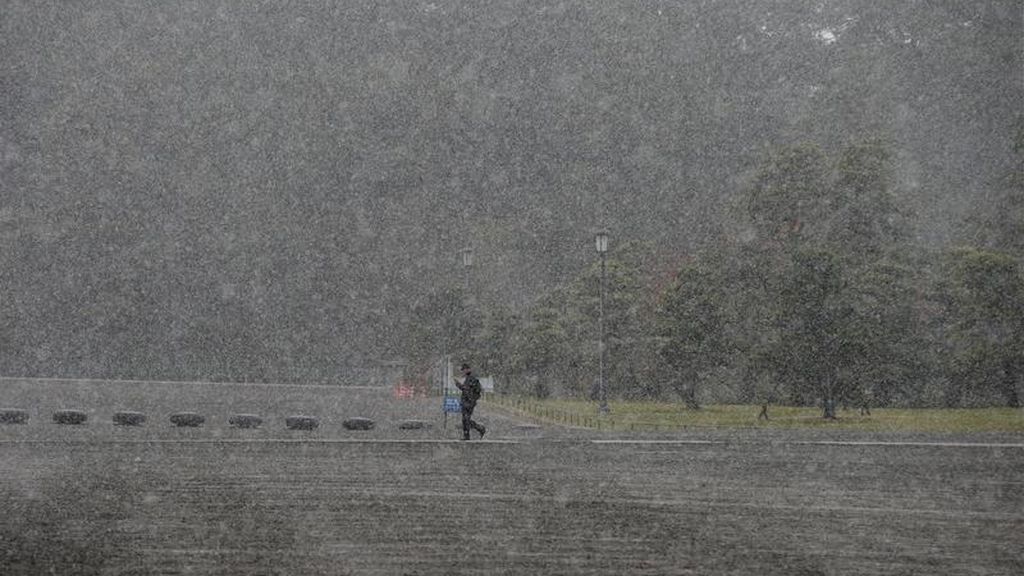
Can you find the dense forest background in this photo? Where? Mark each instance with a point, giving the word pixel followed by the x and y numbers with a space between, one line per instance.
pixel 807 200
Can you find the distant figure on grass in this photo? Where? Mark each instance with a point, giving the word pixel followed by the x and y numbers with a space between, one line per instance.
pixel 471 391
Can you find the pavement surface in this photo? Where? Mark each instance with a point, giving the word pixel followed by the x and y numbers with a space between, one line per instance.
pixel 157 499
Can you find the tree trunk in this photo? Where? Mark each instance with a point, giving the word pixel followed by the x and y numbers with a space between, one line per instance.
pixel 829 409
pixel 828 403
pixel 688 392
pixel 1010 384
pixel 691 397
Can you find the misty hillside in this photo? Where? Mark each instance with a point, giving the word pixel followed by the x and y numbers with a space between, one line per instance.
pixel 264 190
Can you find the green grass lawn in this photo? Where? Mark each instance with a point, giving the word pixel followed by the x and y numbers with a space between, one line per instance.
pixel 669 416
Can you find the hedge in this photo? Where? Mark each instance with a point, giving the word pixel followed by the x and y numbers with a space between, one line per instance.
pixel 73 417
pixel 129 418
pixel 245 421
pixel 13 416
pixel 187 419
pixel 301 423
pixel 358 424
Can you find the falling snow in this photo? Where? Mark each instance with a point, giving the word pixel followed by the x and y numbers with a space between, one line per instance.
pixel 311 212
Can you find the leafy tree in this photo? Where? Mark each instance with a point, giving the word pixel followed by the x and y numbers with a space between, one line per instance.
pixel 490 348
pixel 556 344
pixel 543 349
pixel 890 361
pixel 441 323
pixel 863 218
pixel 629 331
pixel 987 331
pixel 692 328
pixel 1000 226
pixel 833 312
pixel 814 321
pixel 788 194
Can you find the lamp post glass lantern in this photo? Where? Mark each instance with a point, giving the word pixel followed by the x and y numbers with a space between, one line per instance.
pixel 466 254
pixel 467 257
pixel 601 243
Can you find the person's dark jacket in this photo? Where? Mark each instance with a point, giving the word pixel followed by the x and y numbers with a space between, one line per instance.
pixel 471 390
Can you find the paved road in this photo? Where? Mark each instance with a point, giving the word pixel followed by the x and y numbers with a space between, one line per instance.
pixel 100 499
pixel 526 507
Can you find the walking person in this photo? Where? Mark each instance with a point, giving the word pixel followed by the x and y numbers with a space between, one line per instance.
pixel 470 387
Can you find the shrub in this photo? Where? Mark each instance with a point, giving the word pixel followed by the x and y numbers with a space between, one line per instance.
pixel 301 423
pixel 13 416
pixel 414 425
pixel 245 421
pixel 188 419
pixel 129 418
pixel 358 424
pixel 70 417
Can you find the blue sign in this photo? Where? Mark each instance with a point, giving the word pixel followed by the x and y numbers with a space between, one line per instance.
pixel 452 404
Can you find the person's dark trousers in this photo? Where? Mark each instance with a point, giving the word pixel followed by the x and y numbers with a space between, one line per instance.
pixel 467 422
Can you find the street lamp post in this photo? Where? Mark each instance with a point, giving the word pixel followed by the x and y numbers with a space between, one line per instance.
pixel 466 255
pixel 467 259
pixel 467 262
pixel 601 243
